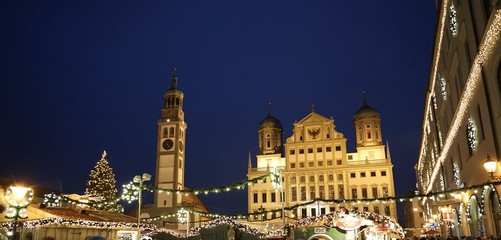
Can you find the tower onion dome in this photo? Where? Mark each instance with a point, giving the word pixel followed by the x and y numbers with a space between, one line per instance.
pixel 366 111
pixel 270 122
pixel 174 88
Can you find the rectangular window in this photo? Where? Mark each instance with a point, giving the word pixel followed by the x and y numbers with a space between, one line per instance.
pixel 332 209
pixel 320 164
pixel 387 210
pixel 338 148
pixel 374 192
pixel 293 165
pixel 303 193
pixel 376 210
pixel 273 197
pixel 385 192
pixel 312 193
pixel 255 198
pixel 364 193
pixel 301 165
pixel 302 179
pixel 366 209
pixel 292 151
pixel 301 151
pixel 352 175
pixel 350 157
pixel 322 211
pixel 373 174
pixel 264 197
pixel 328 149
pixel 340 191
pixel 339 162
pixel 310 150
pixel 321 191
pixel 362 174
pixel 294 194
pixel 303 213
pixel 311 164
pixel 329 163
pixel 331 191
pixel 313 212
pixel 293 180
pixel 319 149
pixel 383 173
pixel 354 193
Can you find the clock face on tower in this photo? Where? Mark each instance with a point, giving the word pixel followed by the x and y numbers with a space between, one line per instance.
pixel 167 144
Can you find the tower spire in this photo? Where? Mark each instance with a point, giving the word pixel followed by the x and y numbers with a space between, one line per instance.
pixel 269 108
pixel 364 96
pixel 174 79
pixel 249 165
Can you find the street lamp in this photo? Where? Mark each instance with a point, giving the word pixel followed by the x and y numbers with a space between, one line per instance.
pixel 18 198
pixel 490 166
pixel 276 180
pixel 140 179
pixel 184 216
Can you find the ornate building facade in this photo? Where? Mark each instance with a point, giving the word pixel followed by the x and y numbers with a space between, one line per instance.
pixel 316 166
pixel 462 121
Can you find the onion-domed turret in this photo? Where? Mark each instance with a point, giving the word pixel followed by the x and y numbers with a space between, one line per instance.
pixel 270 135
pixel 366 111
pixel 367 123
pixel 270 122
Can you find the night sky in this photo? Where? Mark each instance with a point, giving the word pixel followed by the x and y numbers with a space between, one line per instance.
pixel 80 77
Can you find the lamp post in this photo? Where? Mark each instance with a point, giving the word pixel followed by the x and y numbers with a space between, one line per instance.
pixel 182 216
pixel 140 179
pixel 276 181
pixel 18 198
pixel 490 166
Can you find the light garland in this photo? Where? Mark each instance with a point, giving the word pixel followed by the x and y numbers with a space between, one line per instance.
pixel 485 51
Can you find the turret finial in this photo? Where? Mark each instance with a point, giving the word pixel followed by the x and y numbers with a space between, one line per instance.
pixel 174 78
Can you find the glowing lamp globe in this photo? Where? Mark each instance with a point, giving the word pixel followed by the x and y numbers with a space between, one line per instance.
pixel 490 165
pixel 17 196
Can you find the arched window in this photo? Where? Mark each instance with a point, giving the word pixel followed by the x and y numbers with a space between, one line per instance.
pixel 177 101
pixel 166 132
pixel 171 132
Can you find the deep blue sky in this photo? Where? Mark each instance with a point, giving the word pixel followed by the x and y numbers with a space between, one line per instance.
pixel 78 77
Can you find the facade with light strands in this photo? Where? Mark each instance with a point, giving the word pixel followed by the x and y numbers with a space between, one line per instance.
pixel 462 122
pixel 316 165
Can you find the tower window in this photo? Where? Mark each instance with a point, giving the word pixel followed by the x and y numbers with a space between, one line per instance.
pixel 310 150
pixel 383 173
pixel 292 151
pixel 338 148
pixel 177 101
pixel 319 149
pixel 166 132
pixel 171 132
pixel 301 151
pixel 268 143
pixel 368 135
pixel 328 149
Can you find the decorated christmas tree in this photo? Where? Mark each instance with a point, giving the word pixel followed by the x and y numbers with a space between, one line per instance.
pixel 101 187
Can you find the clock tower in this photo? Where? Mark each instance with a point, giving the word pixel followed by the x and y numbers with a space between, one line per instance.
pixel 170 147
